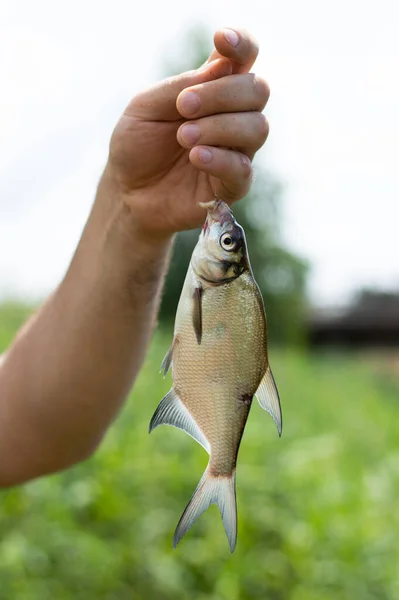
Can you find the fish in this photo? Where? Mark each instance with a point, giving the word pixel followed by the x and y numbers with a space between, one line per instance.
pixel 219 361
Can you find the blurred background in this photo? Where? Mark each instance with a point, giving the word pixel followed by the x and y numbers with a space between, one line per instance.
pixel 318 514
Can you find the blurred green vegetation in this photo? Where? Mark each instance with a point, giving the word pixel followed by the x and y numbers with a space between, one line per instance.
pixel 318 517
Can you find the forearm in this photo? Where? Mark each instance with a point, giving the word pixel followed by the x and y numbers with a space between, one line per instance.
pixel 71 367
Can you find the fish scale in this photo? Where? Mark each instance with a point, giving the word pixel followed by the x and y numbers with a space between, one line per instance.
pixel 219 362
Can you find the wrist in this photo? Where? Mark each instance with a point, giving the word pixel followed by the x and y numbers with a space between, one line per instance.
pixel 114 250
pixel 135 210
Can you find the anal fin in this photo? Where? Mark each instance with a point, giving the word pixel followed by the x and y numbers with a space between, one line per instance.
pixel 171 411
pixel 269 399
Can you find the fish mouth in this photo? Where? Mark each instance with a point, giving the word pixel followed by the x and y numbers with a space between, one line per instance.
pixel 218 212
pixel 209 205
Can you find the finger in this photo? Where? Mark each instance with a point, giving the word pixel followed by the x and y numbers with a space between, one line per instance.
pixel 232 170
pixel 159 101
pixel 245 132
pixel 238 45
pixel 237 93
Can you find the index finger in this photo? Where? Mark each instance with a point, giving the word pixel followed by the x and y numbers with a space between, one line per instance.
pixel 238 45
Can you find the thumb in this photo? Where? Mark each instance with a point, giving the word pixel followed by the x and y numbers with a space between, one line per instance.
pixel 158 103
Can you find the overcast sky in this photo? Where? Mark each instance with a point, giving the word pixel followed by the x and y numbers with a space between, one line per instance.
pixel 67 69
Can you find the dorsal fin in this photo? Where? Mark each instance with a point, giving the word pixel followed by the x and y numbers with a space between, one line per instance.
pixel 269 399
pixel 171 411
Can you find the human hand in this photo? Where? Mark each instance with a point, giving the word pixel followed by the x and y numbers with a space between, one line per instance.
pixel 190 137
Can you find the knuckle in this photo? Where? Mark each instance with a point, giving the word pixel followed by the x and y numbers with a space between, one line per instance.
pixel 262 127
pixel 262 90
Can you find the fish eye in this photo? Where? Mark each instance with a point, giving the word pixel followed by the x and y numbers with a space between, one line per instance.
pixel 228 242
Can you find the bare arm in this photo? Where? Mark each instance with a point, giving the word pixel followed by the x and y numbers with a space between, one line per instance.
pixel 70 368
pixel 72 365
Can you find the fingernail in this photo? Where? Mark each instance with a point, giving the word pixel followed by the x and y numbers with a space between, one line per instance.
pixel 231 37
pixel 190 102
pixel 205 155
pixel 190 133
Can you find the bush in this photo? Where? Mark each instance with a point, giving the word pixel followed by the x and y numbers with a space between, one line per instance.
pixel 317 509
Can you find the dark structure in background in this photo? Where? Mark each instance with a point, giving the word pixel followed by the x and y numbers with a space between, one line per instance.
pixel 371 321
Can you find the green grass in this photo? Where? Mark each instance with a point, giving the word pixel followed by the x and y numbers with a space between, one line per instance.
pixel 318 509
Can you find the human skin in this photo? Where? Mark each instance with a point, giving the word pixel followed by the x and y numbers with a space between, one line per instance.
pixel 71 366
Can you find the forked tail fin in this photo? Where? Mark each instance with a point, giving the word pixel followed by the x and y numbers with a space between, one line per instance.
pixel 212 489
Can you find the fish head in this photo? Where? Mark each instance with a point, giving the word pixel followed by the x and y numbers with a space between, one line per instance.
pixel 221 252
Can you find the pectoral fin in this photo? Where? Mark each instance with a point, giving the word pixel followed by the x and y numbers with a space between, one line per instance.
pixel 171 411
pixel 197 313
pixel 268 398
pixel 167 361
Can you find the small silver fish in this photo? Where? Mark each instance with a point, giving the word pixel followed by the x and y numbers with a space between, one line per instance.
pixel 219 362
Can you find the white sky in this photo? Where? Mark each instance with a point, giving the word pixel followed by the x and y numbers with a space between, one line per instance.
pixel 67 69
